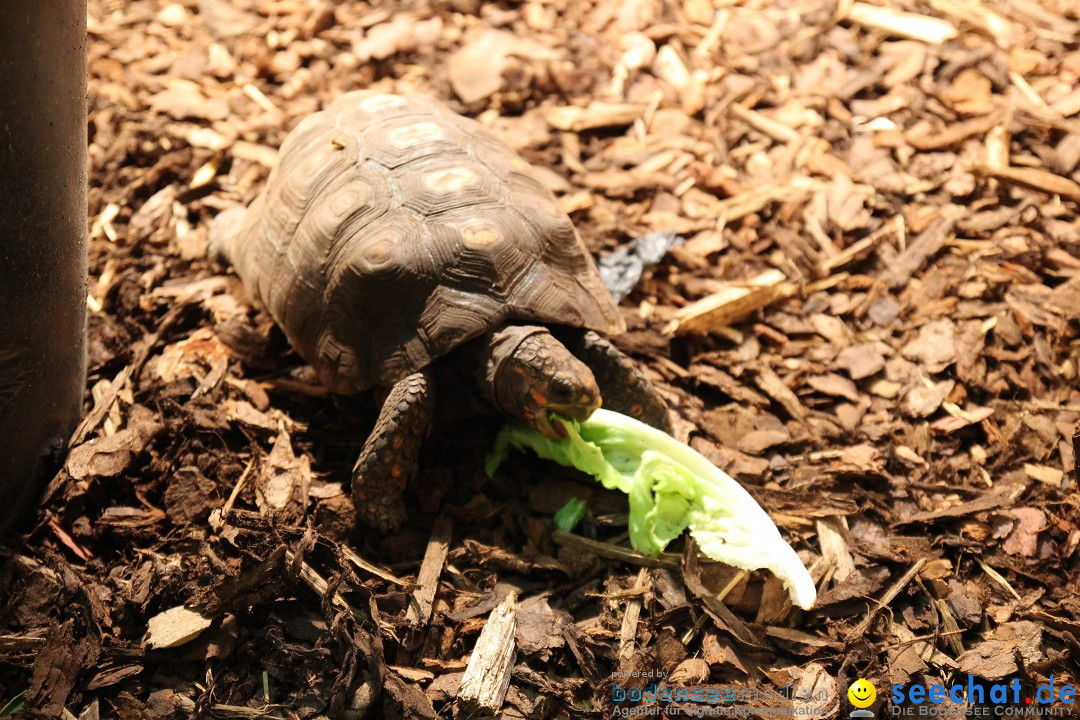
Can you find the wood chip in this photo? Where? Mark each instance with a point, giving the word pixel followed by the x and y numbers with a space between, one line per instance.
pixel 364 564
pixel 856 249
pixel 595 115
pixel 254 152
pixel 975 13
pixel 832 533
pixel 1045 474
pixel 953 133
pixel 427 581
pixel 628 631
pixel 980 504
pixel 1036 179
pixel 924 649
pixel 487 676
pixel 752 201
pixel 859 630
pixel 960 418
pixel 922 248
pixel 731 304
pixel 777 131
pixel 175 626
pixel 771 384
pixel 902 24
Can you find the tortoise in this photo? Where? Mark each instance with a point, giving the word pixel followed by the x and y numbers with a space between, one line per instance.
pixel 398 244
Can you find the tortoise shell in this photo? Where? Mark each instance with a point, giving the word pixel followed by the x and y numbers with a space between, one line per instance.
pixel 393 230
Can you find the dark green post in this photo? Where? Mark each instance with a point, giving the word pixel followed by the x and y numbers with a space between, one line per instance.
pixel 42 242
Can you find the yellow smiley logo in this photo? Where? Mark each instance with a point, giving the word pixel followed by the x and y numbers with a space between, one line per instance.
pixel 862 693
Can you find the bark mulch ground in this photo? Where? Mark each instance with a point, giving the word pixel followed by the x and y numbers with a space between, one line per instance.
pixel 869 317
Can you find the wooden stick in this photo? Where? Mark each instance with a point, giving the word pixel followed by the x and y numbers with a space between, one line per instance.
pixel 365 564
pixel 487 676
pixel 997 577
pixel 834 547
pixel 764 124
pixel 887 598
pixel 1034 179
pixel 427 582
pixel 630 618
pixel 902 24
pixel 896 225
pixel 320 586
pixel 614 552
pixel 731 304
pixel 11 645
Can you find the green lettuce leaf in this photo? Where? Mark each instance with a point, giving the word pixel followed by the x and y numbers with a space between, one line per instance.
pixel 670 488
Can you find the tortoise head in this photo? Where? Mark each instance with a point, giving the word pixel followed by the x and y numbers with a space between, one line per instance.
pixel 538 377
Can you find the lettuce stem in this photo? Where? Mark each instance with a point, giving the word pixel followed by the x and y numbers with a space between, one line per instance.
pixel 670 487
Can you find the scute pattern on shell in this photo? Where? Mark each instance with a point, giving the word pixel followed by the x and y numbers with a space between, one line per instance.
pixel 393 230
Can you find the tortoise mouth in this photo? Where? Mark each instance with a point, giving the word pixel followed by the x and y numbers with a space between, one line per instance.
pixel 551 426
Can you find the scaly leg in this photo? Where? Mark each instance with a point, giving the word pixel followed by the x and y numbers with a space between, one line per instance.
pixel 622 386
pixel 389 458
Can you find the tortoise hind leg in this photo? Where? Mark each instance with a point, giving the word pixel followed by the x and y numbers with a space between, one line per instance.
pixel 389 458
pixel 622 386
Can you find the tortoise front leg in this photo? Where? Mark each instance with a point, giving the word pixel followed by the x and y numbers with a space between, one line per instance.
pixel 622 386
pixel 389 458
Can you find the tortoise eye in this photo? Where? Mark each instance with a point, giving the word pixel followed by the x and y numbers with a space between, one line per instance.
pixel 561 391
